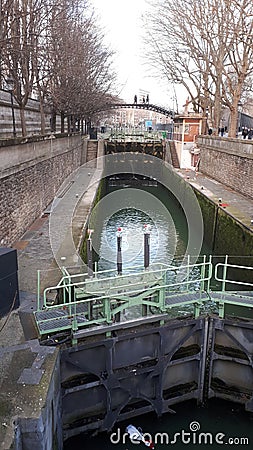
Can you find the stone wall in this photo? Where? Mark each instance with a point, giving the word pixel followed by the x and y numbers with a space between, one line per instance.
pixel 32 116
pixel 31 173
pixel 229 161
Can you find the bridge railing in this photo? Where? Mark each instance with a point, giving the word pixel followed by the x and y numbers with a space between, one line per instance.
pixel 84 301
pixel 224 267
pixel 135 135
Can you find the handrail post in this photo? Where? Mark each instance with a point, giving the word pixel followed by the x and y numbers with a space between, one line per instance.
pixel 188 271
pixel 223 286
pixel 38 289
pixel 203 270
pixel 209 273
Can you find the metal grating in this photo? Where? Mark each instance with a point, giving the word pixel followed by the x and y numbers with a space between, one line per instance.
pixel 244 299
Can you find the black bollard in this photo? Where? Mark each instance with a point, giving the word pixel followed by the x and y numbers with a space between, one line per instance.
pixel 146 258
pixel 146 245
pixel 89 254
pixel 90 268
pixel 119 262
pixel 119 253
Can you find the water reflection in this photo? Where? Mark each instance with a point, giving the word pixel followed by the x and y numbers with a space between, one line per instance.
pixel 140 207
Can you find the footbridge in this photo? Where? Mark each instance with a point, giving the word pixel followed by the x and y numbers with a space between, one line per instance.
pixel 81 304
pixel 148 106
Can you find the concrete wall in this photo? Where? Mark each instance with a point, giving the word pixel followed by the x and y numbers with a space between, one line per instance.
pixel 229 161
pixel 31 173
pixel 221 229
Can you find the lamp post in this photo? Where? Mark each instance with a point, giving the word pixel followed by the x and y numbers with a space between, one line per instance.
pixel 10 88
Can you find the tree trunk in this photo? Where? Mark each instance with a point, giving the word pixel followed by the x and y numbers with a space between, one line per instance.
pixel 233 122
pixel 217 106
pixel 53 121
pixel 22 119
pixel 62 122
pixel 42 117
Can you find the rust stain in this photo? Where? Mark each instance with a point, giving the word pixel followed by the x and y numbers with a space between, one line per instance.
pixel 37 224
pixel 20 245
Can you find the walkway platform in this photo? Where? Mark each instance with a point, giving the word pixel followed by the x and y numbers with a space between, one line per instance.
pixel 239 206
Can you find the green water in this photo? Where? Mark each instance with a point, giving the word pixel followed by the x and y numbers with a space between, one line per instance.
pixel 153 206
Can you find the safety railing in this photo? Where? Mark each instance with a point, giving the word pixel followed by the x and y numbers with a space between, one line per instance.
pixel 82 301
pixel 135 136
pixel 227 294
pixel 79 300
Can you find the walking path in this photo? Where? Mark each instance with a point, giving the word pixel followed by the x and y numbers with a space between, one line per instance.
pixel 239 206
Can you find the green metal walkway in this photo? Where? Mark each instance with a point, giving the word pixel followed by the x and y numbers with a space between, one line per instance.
pixel 79 301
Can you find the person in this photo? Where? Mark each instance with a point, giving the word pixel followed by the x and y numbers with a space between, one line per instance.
pixel 143 99
pixel 250 133
pixel 244 132
pixel 135 99
pixel 147 99
pixel 210 131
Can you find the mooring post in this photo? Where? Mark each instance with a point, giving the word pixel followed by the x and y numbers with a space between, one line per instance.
pixel 90 268
pixel 146 245
pixel 119 262
pixel 119 253
pixel 146 258
pixel 89 253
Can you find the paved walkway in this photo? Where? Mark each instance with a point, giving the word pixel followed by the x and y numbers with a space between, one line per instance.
pixel 239 206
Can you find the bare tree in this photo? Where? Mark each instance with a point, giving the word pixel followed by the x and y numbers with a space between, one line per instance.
pixel 20 28
pixel 81 66
pixel 205 46
pixel 54 49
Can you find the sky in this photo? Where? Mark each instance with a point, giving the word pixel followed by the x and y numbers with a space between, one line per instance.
pixel 122 24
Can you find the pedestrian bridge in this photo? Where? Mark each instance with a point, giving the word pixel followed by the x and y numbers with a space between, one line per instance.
pixel 80 303
pixel 144 105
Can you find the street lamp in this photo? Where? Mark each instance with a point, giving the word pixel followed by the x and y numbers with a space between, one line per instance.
pixel 10 88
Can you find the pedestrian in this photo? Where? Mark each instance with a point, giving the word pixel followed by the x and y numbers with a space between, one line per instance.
pixel 244 132
pixel 135 99
pixel 143 99
pixel 250 133
pixel 147 99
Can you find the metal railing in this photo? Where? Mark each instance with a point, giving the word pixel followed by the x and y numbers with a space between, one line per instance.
pixel 135 136
pixel 227 296
pixel 79 300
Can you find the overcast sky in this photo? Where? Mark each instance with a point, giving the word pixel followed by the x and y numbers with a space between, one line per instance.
pixel 121 20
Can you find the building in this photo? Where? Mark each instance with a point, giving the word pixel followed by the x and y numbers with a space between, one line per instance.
pixel 186 129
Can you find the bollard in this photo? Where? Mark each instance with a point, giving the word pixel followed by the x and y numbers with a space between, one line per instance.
pixel 146 258
pixel 119 253
pixel 146 245
pixel 89 254
pixel 90 268
pixel 119 262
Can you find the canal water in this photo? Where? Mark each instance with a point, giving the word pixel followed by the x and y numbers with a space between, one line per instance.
pixel 131 209
pixel 222 424
pixel 168 241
